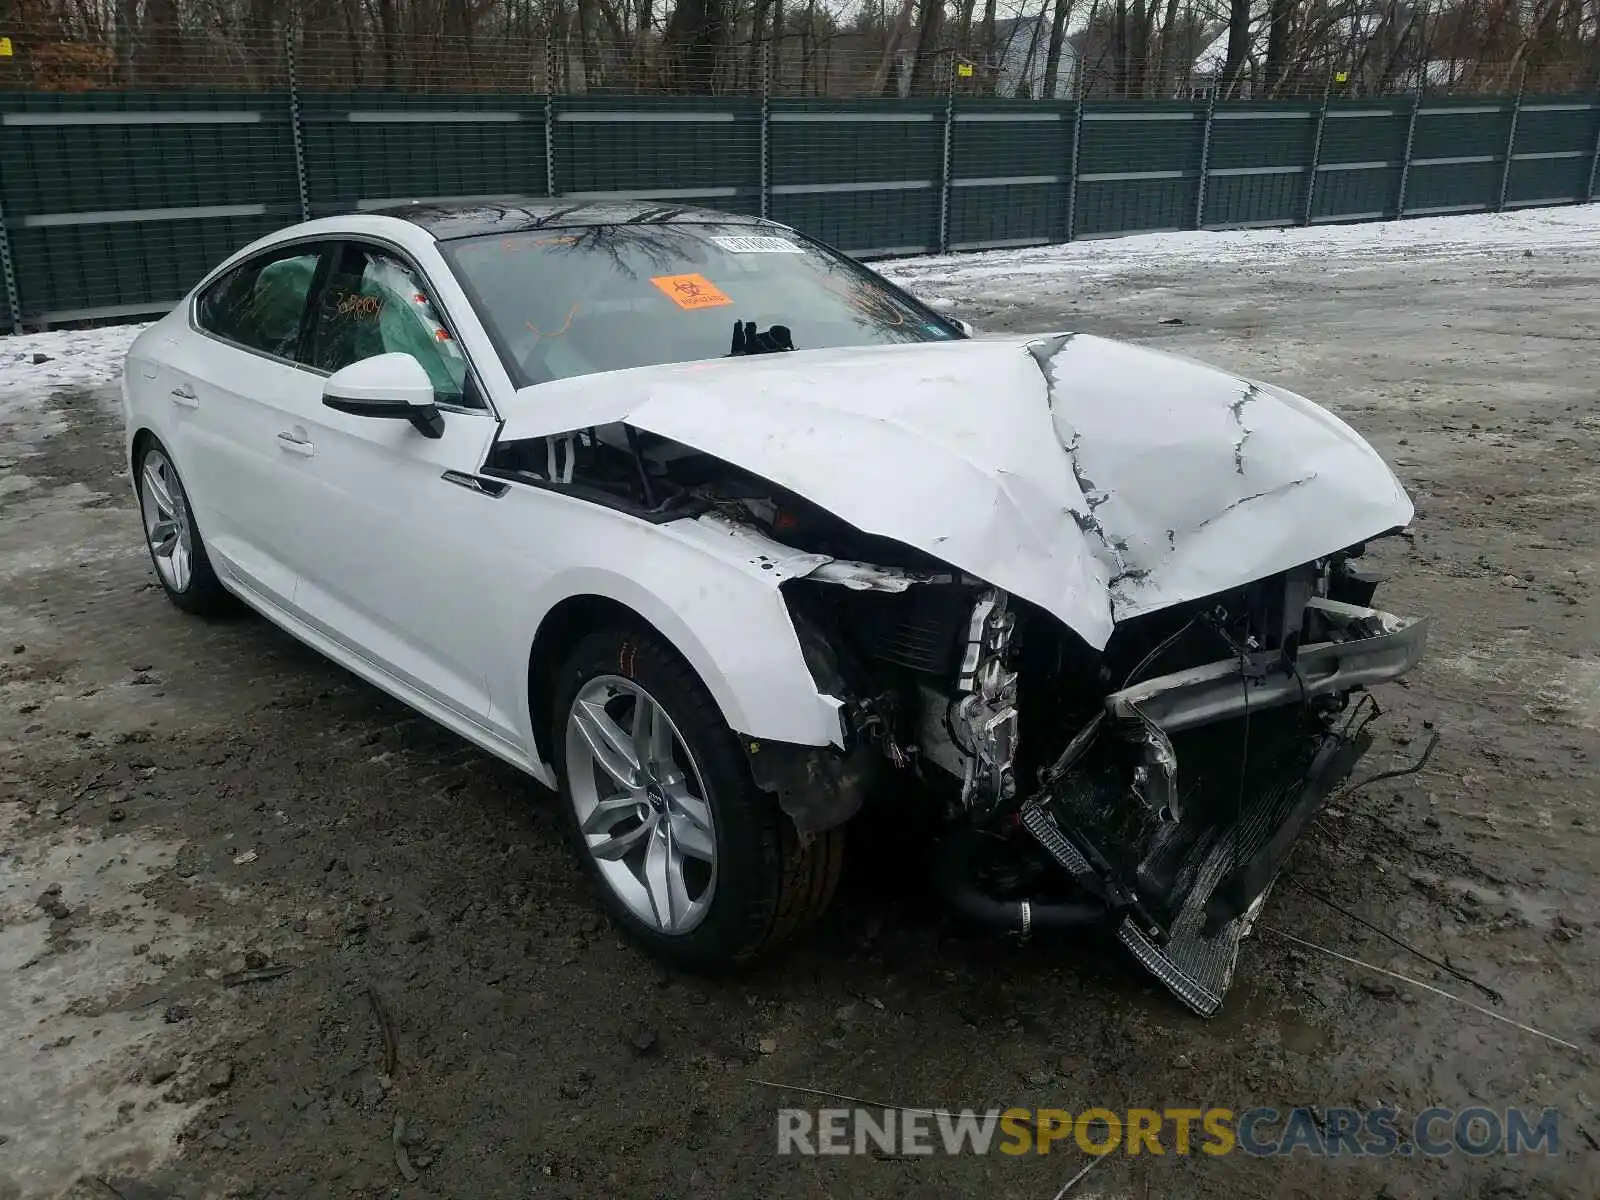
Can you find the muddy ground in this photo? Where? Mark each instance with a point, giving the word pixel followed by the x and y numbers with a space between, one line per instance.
pixel 211 798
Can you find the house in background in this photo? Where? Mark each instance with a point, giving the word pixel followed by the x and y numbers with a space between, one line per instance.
pixel 1022 46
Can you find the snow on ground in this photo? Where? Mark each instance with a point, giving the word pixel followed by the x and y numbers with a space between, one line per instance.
pixel 41 361
pixel 1034 274
pixel 33 367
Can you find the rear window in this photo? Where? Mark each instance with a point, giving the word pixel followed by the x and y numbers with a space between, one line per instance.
pixel 565 302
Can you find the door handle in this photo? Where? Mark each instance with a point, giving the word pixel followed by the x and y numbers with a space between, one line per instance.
pixel 183 396
pixel 295 445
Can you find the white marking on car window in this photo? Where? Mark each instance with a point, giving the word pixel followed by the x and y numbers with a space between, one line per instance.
pixel 757 245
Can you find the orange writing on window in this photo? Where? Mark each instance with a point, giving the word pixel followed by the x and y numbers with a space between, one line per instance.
pixel 358 304
pixel 691 291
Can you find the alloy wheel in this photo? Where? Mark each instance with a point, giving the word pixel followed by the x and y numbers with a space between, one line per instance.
pixel 641 804
pixel 167 524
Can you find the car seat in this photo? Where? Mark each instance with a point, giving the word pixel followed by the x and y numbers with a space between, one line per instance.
pixel 278 301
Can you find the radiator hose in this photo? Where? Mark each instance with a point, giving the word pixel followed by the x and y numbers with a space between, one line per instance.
pixel 952 877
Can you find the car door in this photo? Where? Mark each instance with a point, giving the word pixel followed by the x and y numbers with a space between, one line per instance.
pixel 239 387
pixel 395 564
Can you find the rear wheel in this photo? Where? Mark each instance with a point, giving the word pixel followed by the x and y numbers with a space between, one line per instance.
pixel 698 864
pixel 176 549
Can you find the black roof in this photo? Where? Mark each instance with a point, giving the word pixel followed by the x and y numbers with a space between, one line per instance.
pixel 449 219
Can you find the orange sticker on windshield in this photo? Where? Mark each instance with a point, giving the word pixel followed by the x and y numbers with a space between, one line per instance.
pixel 691 291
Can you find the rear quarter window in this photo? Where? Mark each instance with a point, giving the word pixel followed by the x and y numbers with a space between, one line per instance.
pixel 261 304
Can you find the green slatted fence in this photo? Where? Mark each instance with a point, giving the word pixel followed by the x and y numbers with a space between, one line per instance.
pixel 113 203
pixel 1011 161
pixel 1138 168
pixel 863 175
pixel 1554 154
pixel 704 151
pixel 371 150
pixel 1457 156
pixel 1258 164
pixel 1362 159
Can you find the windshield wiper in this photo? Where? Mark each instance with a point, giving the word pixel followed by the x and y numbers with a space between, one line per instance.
pixel 746 340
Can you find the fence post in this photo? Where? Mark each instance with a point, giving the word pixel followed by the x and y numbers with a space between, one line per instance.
pixel 1405 163
pixel 1077 140
pixel 1316 151
pixel 549 112
pixel 766 126
pixel 1594 165
pixel 1205 163
pixel 1511 139
pixel 944 176
pixel 1594 159
pixel 295 124
pixel 13 300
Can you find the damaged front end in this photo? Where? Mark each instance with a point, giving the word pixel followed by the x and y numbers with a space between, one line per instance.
pixel 1034 608
pixel 1154 788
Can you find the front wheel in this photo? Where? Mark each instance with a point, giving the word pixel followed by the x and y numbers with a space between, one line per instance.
pixel 698 864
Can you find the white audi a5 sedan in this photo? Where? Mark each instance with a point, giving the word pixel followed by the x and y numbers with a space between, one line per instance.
pixel 723 536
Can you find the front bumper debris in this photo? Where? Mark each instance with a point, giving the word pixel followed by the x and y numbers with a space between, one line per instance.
pixel 1187 794
pixel 1195 959
pixel 1373 647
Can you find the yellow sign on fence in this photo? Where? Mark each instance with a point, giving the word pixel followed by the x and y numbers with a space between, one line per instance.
pixel 964 70
pixel 5 47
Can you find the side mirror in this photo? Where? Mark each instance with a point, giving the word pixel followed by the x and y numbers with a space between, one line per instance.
pixel 387 385
pixel 964 327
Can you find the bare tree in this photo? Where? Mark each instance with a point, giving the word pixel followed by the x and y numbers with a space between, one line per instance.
pixel 1169 41
pixel 881 85
pixel 1280 14
pixel 1238 44
pixel 692 46
pixel 1127 48
pixel 930 27
pixel 1052 55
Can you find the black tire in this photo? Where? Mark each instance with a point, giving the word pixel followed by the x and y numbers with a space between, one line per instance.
pixel 768 886
pixel 204 594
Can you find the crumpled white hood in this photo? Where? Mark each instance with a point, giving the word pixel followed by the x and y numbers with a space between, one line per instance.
pixel 1096 479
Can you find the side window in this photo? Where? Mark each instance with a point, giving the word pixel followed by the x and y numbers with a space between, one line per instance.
pixel 374 303
pixel 260 304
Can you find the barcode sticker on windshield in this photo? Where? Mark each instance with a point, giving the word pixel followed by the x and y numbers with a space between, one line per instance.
pixel 757 245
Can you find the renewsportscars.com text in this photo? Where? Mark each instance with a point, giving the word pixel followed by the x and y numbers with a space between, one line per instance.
pixel 1262 1132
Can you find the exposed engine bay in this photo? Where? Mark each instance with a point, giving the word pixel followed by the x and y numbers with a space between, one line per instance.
pixel 1154 787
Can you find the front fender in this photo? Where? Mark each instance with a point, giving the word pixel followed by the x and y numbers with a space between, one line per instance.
pixel 710 592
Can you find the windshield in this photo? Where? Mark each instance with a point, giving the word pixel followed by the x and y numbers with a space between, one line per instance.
pixel 564 302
